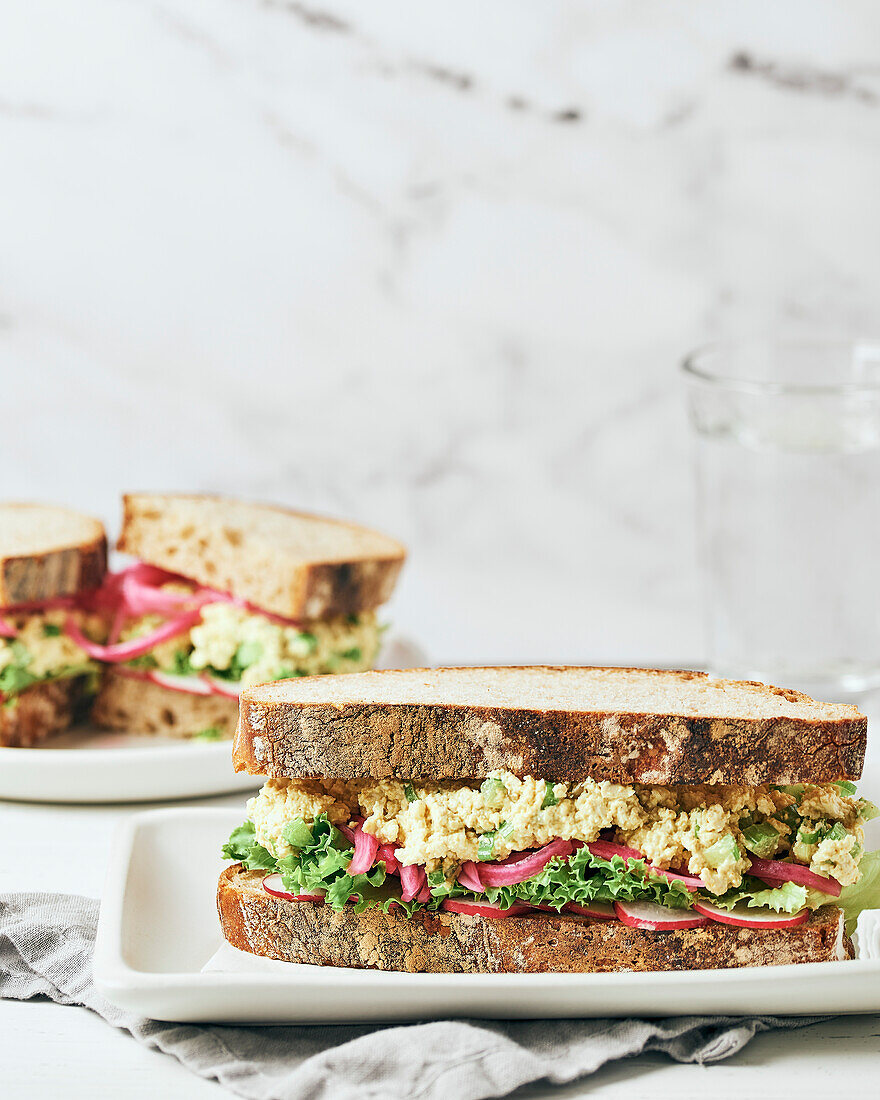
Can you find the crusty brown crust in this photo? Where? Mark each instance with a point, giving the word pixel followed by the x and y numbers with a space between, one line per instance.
pixel 439 742
pixel 301 932
pixel 140 706
pixel 310 590
pixel 66 571
pixel 40 711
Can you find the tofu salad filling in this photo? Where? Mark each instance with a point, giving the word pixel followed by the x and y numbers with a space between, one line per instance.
pixel 35 650
pixel 508 845
pixel 195 639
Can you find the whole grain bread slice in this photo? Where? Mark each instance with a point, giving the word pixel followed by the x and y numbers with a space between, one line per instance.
pixel 291 563
pixel 47 552
pixel 302 932
pixel 140 706
pixel 39 712
pixel 558 723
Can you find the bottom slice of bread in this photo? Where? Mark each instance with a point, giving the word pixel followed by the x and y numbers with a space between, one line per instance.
pixel 39 712
pixel 302 932
pixel 140 706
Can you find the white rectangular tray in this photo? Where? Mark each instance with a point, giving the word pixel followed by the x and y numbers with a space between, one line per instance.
pixel 159 927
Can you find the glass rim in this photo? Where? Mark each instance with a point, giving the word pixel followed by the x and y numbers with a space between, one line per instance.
pixel 694 370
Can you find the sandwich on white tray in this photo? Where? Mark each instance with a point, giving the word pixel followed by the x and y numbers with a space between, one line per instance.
pixel 547 819
pixel 51 562
pixel 225 594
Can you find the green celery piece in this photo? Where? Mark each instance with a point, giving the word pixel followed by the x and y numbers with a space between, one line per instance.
pixel 492 791
pixel 845 787
pixel 761 840
pixel 722 850
pixel 550 798
pixel 410 793
pixel 51 630
pixel 486 846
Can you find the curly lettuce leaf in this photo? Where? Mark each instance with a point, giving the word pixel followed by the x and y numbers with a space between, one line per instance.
pixel 786 898
pixel 584 878
pixel 319 862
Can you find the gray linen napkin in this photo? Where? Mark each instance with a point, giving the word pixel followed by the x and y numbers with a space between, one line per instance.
pixel 46 943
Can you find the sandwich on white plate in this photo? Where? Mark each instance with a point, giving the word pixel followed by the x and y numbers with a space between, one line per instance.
pixel 52 560
pixel 547 819
pixel 225 594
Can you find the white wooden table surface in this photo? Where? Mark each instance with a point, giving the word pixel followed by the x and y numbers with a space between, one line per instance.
pixel 49 1050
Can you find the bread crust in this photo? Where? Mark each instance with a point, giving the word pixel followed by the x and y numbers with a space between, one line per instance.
pixel 433 743
pixel 299 590
pixel 57 571
pixel 253 920
pixel 140 706
pixel 39 712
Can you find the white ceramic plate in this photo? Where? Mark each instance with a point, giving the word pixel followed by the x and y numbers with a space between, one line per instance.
pixel 87 765
pixel 158 929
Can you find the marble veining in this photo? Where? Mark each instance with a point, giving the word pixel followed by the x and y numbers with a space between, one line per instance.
pixel 429 266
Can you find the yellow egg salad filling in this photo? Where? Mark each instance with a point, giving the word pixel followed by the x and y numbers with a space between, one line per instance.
pixel 710 831
pixel 41 650
pixel 249 648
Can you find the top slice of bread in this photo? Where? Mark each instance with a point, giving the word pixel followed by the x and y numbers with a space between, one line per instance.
pixel 562 724
pixel 47 552
pixel 293 564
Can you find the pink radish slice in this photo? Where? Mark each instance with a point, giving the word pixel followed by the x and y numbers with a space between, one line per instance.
pixel 656 918
pixel 7 630
pixel 125 651
pixel 347 831
pixel 482 908
pixel 743 917
pixel 412 879
pixel 133 673
pixel 229 689
pixel 601 910
pixel 424 895
pixel 776 870
pixel 365 849
pixel 523 865
pixel 189 685
pixel 273 885
pixel 469 877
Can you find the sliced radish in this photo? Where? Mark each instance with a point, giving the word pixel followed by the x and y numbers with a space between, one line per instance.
pixel 658 918
pixel 229 689
pixel 7 630
pixel 601 910
pixel 189 685
pixel 743 917
pixel 482 908
pixel 274 885
pixel 777 870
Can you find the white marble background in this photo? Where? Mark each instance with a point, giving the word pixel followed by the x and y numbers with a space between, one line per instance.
pixel 431 266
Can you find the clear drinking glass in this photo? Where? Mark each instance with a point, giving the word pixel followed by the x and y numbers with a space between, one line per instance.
pixel 788 503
